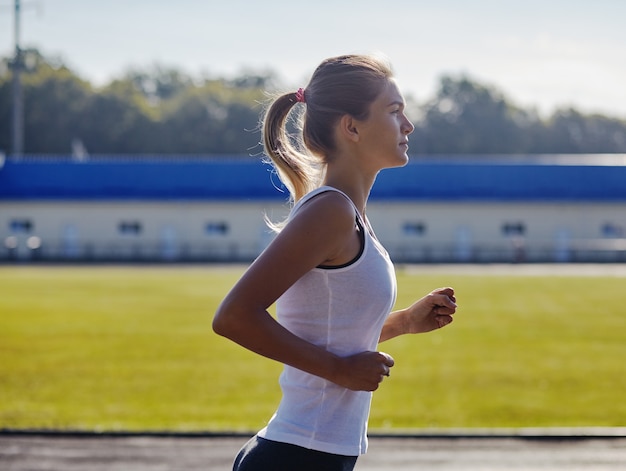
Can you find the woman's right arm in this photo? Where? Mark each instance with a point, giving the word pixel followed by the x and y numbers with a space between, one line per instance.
pixel 322 229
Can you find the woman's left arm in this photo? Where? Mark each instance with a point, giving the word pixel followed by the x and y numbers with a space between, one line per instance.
pixel 432 312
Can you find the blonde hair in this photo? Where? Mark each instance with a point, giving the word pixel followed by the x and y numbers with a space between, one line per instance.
pixel 343 85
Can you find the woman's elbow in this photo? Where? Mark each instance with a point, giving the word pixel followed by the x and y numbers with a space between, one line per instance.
pixel 228 320
pixel 222 323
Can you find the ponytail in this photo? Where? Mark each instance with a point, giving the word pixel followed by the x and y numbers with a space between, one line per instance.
pixel 298 170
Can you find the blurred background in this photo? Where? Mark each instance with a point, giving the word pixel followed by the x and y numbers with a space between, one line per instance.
pixel 129 144
pixel 129 131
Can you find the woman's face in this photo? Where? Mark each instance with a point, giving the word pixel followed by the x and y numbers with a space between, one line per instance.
pixel 384 134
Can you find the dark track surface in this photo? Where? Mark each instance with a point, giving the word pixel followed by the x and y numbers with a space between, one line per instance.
pixel 32 452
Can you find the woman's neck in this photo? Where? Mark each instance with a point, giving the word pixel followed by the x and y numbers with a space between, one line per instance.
pixel 353 184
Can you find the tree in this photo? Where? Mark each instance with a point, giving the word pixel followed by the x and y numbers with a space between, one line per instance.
pixel 164 111
pixel 5 106
pixel 569 131
pixel 469 118
pixel 54 102
pixel 119 120
pixel 53 98
pixel 212 117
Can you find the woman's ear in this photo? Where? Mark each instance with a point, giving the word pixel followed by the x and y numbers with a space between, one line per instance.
pixel 348 128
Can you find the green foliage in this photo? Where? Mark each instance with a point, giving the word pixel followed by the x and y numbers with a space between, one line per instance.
pixel 160 111
pixel 466 117
pixel 569 131
pixel 164 111
pixel 131 348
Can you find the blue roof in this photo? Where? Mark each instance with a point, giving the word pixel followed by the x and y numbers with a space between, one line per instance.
pixel 123 178
pixel 435 178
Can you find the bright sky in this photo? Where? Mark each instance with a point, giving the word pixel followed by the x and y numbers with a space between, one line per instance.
pixel 541 53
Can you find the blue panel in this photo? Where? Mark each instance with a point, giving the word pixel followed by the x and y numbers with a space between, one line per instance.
pixel 113 180
pixel 453 181
pixel 492 179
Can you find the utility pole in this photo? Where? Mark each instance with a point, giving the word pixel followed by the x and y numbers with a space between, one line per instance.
pixel 18 106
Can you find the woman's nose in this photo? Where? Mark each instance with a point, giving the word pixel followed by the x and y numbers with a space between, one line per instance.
pixel 408 128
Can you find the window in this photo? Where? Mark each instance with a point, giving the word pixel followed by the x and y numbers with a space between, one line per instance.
pixel 216 228
pixel 414 228
pixel 129 227
pixel 612 230
pixel 21 226
pixel 513 229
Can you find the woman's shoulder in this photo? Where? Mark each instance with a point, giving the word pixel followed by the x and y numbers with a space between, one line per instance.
pixel 327 207
pixel 328 200
pixel 324 225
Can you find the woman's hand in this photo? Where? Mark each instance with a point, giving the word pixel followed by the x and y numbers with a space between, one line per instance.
pixel 362 371
pixel 433 311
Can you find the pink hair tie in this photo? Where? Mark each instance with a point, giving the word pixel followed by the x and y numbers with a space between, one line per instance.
pixel 300 96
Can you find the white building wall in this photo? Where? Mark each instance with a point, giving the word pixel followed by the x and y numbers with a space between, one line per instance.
pixel 236 231
pixel 501 231
pixel 136 230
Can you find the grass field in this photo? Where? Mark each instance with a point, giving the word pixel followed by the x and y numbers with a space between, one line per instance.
pixel 131 348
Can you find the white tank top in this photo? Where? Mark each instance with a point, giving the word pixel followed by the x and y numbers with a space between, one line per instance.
pixel 342 310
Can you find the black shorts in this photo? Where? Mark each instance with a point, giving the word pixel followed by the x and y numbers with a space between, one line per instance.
pixel 260 454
